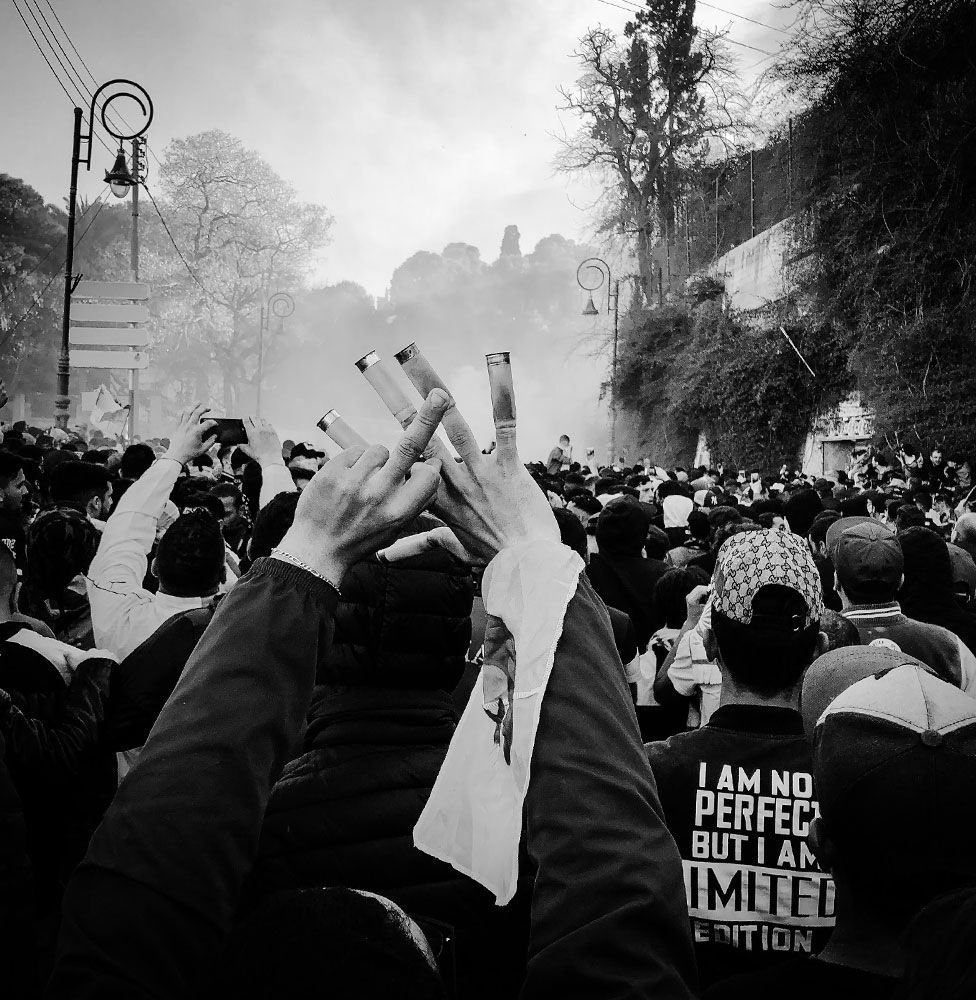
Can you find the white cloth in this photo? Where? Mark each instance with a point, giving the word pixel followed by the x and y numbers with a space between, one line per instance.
pixel 53 650
pixel 693 674
pixel 473 818
pixel 124 614
pixel 676 509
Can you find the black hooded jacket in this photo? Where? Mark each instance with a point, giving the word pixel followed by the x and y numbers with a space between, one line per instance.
pixel 379 725
pixel 619 572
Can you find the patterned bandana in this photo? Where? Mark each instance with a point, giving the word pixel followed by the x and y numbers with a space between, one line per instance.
pixel 754 559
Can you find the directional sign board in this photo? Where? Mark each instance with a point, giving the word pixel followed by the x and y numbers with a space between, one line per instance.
pixel 100 336
pixel 132 360
pixel 108 312
pixel 111 290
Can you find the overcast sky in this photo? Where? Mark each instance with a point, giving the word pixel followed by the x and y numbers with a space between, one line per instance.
pixel 416 122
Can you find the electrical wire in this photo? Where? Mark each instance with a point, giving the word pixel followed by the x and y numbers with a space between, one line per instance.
pixel 176 246
pixel 37 301
pixel 742 17
pixel 23 277
pixel 72 98
pixel 733 41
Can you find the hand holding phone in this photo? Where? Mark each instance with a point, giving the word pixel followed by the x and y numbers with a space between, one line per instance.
pixel 228 431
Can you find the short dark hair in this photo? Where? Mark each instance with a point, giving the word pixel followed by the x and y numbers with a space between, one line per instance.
pixel 227 489
pixel 909 516
pixel 272 524
pixel 840 631
pixel 764 661
pixel 331 942
pixel 136 459
pixel 10 465
pixel 821 524
pixel 671 590
pixel 190 556
pixel 571 531
pixel 586 503
pixel 698 525
pixel 657 542
pixel 78 482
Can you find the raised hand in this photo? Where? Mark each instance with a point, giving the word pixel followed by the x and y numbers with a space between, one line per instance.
pixel 489 501
pixel 263 443
pixel 360 499
pixel 192 435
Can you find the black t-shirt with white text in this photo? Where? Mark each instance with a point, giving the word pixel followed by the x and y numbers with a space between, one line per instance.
pixel 738 798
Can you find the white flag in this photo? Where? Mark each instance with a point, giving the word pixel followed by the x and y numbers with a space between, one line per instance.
pixel 108 415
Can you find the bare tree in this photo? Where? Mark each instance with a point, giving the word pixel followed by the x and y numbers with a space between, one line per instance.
pixel 654 108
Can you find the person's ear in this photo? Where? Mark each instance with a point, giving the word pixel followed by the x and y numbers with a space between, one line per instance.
pixel 822 645
pixel 153 569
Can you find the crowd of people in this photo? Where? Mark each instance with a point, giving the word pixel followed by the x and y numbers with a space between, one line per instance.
pixel 413 723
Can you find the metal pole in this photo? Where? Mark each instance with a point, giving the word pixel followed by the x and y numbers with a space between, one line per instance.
pixel 613 377
pixel 257 407
pixel 63 401
pixel 687 235
pixel 134 265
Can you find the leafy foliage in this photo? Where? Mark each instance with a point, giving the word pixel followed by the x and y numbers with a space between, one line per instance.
pixel 893 226
pixel 698 368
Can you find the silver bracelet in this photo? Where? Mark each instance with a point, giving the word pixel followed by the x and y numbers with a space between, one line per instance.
pixel 295 561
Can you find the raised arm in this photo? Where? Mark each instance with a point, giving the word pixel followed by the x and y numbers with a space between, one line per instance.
pixel 117 572
pixel 157 892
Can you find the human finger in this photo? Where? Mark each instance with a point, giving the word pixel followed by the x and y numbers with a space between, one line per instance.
pixel 417 436
pixel 414 495
pixel 348 457
pixel 503 406
pixel 460 435
pixel 373 458
pixel 426 541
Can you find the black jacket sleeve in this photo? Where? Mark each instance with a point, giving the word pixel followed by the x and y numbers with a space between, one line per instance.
pixel 58 744
pixel 157 891
pixel 608 911
pixel 144 680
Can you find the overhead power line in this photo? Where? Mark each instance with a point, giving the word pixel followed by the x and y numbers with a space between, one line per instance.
pixel 733 41
pixel 54 246
pixel 37 301
pixel 176 246
pixel 73 98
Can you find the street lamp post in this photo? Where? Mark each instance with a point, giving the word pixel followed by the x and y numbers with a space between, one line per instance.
pixel 602 269
pixel 281 304
pixel 119 180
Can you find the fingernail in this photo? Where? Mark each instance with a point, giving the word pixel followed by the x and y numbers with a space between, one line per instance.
pixel 439 398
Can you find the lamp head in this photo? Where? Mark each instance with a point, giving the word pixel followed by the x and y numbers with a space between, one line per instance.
pixel 590 309
pixel 118 178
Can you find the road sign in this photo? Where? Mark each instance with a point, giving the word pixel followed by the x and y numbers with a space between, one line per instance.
pixel 103 312
pixel 132 360
pixel 100 336
pixel 111 290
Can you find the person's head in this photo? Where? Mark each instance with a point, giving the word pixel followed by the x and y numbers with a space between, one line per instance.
pixel 239 462
pixel 766 608
pixel 940 961
pixel 868 562
pixel 801 509
pixel 894 762
pixel 936 456
pixel 61 544
pixel 622 528
pixel 136 459
pixel 855 506
pixel 229 495
pixel 964 532
pixel 839 632
pixel 84 486
pixel 584 506
pixel 190 556
pixel 657 544
pixel 202 467
pixel 335 942
pixel 13 483
pixel 563 441
pixel 571 531
pixel 928 571
pixel 671 590
pixel 909 516
pixel 817 536
pixel 698 526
